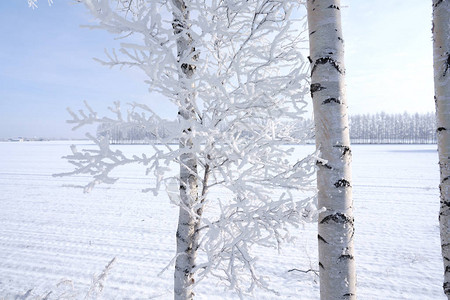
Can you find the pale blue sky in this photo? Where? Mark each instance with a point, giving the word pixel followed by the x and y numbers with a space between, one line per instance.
pixel 46 64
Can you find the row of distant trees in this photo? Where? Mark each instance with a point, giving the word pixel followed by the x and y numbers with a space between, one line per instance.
pixel 384 128
pixel 138 133
pixel 379 128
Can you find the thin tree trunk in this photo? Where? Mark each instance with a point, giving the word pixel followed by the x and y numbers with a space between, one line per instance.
pixel 441 57
pixel 336 254
pixel 187 235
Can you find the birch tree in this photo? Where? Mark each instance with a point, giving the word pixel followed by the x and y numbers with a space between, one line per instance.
pixel 336 253
pixel 441 55
pixel 236 73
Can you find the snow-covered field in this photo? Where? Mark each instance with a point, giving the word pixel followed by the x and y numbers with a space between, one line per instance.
pixel 54 238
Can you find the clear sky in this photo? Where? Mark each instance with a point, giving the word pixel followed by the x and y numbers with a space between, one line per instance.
pixel 46 64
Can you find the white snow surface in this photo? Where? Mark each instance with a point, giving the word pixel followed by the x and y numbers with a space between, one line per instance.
pixel 54 238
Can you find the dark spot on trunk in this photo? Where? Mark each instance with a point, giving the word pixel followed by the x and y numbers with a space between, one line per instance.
pixel 437 3
pixel 178 235
pixel 337 218
pixel 316 87
pixel 342 183
pixel 441 129
pixel 446 287
pixel 334 6
pixel 346 256
pixel 188 68
pixel 320 265
pixel 341 39
pixel 329 100
pixel 445 203
pixel 321 239
pixel 312 32
pixel 348 295
pixel 321 164
pixel 447 65
pixel 345 149
pixel 309 59
pixel 327 60
pixel 446 178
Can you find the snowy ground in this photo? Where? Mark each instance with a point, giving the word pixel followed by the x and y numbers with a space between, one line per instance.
pixel 55 238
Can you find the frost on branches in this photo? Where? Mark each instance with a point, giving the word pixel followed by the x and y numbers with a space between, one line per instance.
pixel 235 71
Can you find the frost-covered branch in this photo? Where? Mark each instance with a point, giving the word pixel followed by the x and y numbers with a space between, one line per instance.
pixel 236 73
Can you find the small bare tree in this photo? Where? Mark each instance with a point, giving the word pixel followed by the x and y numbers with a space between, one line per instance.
pixel 236 73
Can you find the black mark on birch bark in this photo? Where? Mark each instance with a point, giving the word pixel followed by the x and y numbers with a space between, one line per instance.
pixel 348 295
pixel 178 235
pixel 346 256
pixel 325 60
pixel 447 65
pixel 334 6
pixel 345 150
pixel 342 183
pixel 444 204
pixel 441 129
pixel 312 32
pixel 437 3
pixel 337 218
pixel 320 238
pixel 322 164
pixel 446 287
pixel 341 39
pixel 184 270
pixel 309 59
pixel 329 100
pixel 320 265
pixel 315 87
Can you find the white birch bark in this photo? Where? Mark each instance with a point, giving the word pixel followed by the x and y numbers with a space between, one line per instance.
pixel 188 220
pixel 441 57
pixel 336 253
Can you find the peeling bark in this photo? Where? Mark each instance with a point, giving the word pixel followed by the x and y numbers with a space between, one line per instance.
pixel 336 257
pixel 441 64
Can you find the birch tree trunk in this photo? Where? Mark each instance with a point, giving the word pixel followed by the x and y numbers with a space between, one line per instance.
pixel 336 254
pixel 187 233
pixel 441 61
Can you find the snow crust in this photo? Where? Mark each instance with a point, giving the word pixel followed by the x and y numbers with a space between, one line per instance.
pixel 55 238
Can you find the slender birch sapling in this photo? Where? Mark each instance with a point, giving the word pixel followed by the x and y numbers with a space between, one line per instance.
pixel 441 58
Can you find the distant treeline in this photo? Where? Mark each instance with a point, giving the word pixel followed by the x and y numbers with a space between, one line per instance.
pixel 384 128
pixel 379 128
pixel 135 134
